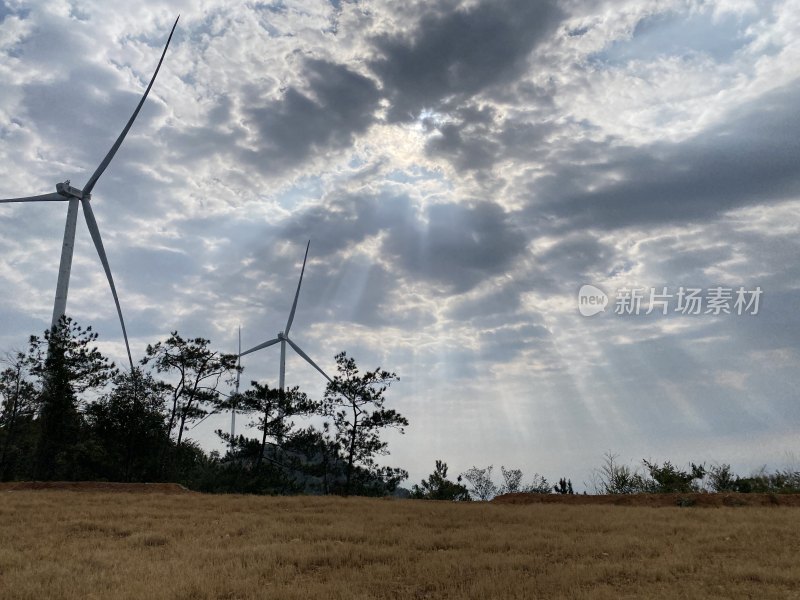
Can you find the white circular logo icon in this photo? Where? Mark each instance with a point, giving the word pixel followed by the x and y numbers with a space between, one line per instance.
pixel 591 300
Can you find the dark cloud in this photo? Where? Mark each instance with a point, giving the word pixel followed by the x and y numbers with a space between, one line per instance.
pixel 343 219
pixel 338 104
pixel 575 257
pixel 466 152
pixel 751 158
pixel 456 246
pixel 491 309
pixel 669 260
pixel 465 139
pixel 559 269
pixel 457 54
pixel 452 247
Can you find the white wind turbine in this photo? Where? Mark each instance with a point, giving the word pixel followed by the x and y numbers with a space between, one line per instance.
pixel 65 192
pixel 283 336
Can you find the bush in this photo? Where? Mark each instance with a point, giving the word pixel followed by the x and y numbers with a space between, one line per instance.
pixel 438 487
pixel 667 478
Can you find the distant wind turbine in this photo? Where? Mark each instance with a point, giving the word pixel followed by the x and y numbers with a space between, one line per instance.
pixel 283 336
pixel 65 192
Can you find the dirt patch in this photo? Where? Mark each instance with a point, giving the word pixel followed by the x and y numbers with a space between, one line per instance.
pixel 96 486
pixel 656 500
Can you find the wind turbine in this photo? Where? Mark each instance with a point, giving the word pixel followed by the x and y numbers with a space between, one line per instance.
pixel 65 192
pixel 283 336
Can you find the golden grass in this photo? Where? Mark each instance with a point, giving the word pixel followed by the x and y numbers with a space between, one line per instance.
pixel 60 544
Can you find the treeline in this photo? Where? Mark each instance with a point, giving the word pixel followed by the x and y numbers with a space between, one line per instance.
pixel 68 414
pixel 612 477
pixel 616 478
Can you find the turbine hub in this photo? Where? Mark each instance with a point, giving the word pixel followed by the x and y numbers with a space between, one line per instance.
pixel 65 189
pixel 281 335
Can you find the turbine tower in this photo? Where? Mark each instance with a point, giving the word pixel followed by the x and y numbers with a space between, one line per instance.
pixel 236 393
pixel 283 336
pixel 66 193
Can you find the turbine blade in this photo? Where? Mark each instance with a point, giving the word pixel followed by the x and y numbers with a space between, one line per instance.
pixel 311 362
pixel 54 197
pixel 297 294
pixel 260 346
pixel 103 165
pixel 91 223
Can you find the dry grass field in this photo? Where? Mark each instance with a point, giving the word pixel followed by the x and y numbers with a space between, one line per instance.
pixel 107 544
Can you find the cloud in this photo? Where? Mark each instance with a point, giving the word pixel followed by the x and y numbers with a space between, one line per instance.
pixel 747 160
pixel 455 246
pixel 452 55
pixel 338 104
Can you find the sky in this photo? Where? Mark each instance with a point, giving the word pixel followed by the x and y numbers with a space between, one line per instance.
pixel 462 169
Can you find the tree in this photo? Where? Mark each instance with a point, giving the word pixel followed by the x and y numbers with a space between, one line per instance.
pixel 512 481
pixel 564 487
pixel 355 403
pixel 129 424
pixel 721 478
pixel 483 488
pixel 67 345
pixel 199 372
pixel 67 365
pixel 615 478
pixel 438 487
pixel 274 408
pixel 322 465
pixel 538 485
pixel 18 401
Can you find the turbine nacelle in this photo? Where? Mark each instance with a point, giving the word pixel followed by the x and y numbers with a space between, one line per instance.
pixel 281 336
pixel 65 189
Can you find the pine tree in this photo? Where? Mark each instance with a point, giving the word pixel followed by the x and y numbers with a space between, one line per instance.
pixel 198 371
pixel 355 402
pixel 67 365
